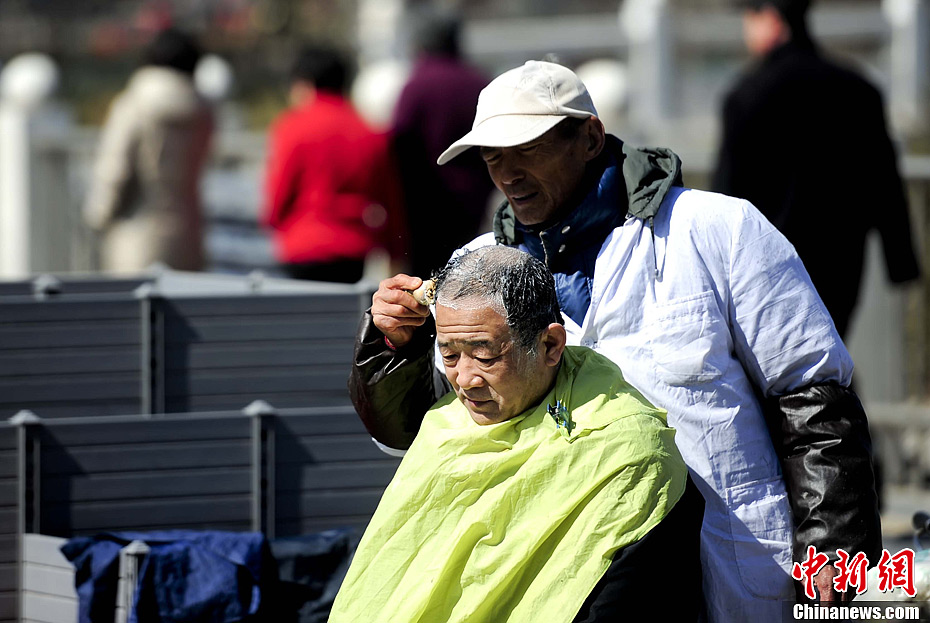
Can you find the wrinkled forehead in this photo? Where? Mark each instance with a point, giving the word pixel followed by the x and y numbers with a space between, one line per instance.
pixel 470 302
pixel 470 319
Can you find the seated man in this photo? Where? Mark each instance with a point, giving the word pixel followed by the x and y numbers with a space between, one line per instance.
pixel 543 488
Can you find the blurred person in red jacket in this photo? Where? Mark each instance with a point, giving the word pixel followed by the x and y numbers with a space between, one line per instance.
pixel 331 192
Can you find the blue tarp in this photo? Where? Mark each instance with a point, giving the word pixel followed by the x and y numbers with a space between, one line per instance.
pixel 189 576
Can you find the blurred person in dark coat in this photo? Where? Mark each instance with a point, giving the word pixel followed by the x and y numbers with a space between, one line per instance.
pixel 144 195
pixel 446 205
pixel 805 140
pixel 331 192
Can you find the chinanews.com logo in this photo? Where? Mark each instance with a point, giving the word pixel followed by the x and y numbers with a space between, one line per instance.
pixel 812 612
pixel 894 572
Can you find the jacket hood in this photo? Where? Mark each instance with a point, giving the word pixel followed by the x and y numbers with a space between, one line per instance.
pixel 648 174
pixel 164 93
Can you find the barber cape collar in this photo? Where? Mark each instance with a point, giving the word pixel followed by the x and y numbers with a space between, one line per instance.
pixel 515 521
pixel 523 104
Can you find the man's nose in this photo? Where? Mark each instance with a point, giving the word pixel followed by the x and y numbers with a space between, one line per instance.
pixel 467 374
pixel 510 171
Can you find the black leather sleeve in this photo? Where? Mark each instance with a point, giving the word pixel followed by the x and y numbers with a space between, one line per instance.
pixel 392 390
pixel 822 437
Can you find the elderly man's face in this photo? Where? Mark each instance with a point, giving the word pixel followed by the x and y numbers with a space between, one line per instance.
pixel 541 176
pixel 492 378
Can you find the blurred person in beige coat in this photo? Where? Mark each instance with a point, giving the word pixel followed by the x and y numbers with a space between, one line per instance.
pixel 144 197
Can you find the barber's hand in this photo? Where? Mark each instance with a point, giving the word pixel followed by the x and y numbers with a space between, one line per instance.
pixel 823 582
pixel 394 310
pixel 823 585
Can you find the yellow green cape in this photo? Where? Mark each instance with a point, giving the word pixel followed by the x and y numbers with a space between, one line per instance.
pixel 516 521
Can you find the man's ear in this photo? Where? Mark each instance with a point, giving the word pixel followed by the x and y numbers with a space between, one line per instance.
pixel 554 338
pixel 594 137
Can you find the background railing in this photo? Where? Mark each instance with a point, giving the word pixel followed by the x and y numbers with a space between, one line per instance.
pixel 283 472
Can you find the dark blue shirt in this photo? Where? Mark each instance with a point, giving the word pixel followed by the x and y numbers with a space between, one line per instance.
pixel 569 247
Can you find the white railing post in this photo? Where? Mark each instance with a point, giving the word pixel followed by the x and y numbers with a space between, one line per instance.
pixel 130 563
pixel 910 62
pixel 25 83
pixel 649 28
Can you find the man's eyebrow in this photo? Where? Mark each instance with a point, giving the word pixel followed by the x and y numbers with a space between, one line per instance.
pixel 472 343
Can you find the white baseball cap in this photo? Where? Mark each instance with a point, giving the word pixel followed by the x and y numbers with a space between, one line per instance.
pixel 522 104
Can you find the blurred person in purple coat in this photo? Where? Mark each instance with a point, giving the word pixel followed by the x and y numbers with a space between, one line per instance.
pixel 446 205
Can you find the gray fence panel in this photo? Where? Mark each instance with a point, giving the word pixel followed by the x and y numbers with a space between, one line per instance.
pixel 76 308
pixel 81 388
pixel 309 525
pixel 15 288
pixel 9 607
pixel 66 286
pixel 117 487
pixel 66 410
pixel 335 396
pixel 323 422
pixel 271 327
pixel 289 350
pixel 130 457
pixel 70 357
pixel 219 356
pixel 296 304
pixel 9 539
pixel 313 477
pixel 146 474
pixel 102 431
pixel 69 332
pixel 109 354
pixel 66 361
pixel 328 472
pixel 262 383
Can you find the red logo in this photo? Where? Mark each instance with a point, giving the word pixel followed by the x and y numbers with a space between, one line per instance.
pixel 893 571
pixel 808 569
pixel 851 573
pixel 897 571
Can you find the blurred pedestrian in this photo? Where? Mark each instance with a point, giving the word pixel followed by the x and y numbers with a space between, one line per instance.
pixel 804 139
pixel 144 196
pixel 445 206
pixel 331 190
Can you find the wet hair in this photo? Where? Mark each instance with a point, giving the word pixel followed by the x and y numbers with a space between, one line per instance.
pixel 323 67
pixel 513 283
pixel 175 49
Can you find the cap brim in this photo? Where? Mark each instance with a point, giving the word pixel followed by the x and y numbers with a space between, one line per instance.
pixel 502 131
